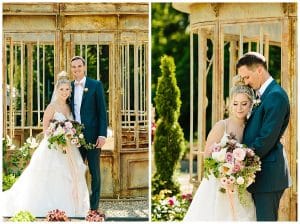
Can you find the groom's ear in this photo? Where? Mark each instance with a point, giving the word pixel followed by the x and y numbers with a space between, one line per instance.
pixel 260 69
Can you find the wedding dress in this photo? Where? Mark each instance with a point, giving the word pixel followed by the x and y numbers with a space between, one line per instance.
pixel 52 180
pixel 209 204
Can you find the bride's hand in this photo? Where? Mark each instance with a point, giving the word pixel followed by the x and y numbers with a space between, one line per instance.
pixel 100 142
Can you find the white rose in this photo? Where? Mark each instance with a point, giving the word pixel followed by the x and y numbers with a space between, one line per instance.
pixel 224 141
pixel 80 136
pixel 219 156
pixel 59 131
pixel 240 180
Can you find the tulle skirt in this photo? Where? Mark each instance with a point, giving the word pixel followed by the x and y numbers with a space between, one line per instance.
pixel 209 204
pixel 52 180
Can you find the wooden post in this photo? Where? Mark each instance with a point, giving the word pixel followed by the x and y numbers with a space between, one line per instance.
pixel 4 86
pixel 287 210
pixel 202 100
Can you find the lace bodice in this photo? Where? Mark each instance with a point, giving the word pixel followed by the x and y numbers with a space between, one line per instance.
pixel 61 117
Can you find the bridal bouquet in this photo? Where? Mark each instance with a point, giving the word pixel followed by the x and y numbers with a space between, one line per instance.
pixel 234 165
pixel 62 133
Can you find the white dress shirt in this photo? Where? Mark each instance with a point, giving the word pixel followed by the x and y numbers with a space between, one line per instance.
pixel 78 93
pixel 265 85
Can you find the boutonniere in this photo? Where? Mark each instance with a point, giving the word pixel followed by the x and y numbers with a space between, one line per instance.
pixel 256 103
pixel 85 90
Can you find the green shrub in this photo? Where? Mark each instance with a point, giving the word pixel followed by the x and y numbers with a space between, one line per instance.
pixel 8 181
pixel 168 140
pixel 23 216
pixel 15 161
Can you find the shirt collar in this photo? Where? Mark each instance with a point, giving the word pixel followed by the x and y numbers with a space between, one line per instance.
pixel 265 85
pixel 82 81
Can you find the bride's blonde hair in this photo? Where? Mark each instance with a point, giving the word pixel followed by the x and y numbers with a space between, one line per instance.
pixel 239 86
pixel 62 78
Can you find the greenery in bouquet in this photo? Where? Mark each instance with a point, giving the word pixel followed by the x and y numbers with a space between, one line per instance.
pixel 62 133
pixel 234 165
pixel 57 216
pixel 23 216
pixel 168 207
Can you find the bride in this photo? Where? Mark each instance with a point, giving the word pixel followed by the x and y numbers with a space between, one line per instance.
pixel 52 180
pixel 209 204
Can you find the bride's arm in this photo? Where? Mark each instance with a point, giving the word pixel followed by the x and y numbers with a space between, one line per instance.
pixel 215 135
pixel 48 115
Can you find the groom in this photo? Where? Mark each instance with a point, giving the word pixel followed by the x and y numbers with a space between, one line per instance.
pixel 263 131
pixel 88 107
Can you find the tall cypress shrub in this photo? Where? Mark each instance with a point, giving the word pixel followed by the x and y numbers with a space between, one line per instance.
pixel 168 140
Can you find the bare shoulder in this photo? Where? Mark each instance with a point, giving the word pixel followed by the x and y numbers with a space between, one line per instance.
pixel 50 109
pixel 217 131
pixel 219 127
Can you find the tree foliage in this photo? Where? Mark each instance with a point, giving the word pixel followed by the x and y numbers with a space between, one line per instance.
pixel 169 140
pixel 170 37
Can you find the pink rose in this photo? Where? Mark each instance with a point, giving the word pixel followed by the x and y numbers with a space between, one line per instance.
pixel 236 168
pixel 68 125
pixel 239 154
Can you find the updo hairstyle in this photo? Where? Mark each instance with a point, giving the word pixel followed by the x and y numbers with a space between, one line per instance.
pixel 240 87
pixel 62 78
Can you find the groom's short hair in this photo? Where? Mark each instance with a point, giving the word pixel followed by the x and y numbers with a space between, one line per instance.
pixel 252 59
pixel 78 58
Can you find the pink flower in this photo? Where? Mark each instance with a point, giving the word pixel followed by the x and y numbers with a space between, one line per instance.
pixel 68 125
pixel 231 179
pixel 224 181
pixel 229 157
pixel 188 197
pixel 171 201
pixel 239 154
pixel 215 148
pixel 238 166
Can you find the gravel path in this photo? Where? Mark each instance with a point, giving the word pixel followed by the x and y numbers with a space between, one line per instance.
pixel 125 208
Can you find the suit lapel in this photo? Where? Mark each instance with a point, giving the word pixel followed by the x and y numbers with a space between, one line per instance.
pixel 268 89
pixel 86 87
pixel 72 97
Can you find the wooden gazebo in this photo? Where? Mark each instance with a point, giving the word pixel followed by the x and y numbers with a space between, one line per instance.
pixel 38 41
pixel 233 29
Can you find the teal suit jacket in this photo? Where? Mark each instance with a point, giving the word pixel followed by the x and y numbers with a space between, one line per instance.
pixel 263 131
pixel 93 110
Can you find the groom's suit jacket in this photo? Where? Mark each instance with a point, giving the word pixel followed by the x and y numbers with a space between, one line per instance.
pixel 263 131
pixel 92 110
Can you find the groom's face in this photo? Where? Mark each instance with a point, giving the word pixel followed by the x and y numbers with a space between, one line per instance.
pixel 251 76
pixel 77 69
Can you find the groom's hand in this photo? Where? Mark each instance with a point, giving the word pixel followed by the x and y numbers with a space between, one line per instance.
pixel 100 142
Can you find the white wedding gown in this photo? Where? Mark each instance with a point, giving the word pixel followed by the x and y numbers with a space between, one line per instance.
pixel 209 204
pixel 52 180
